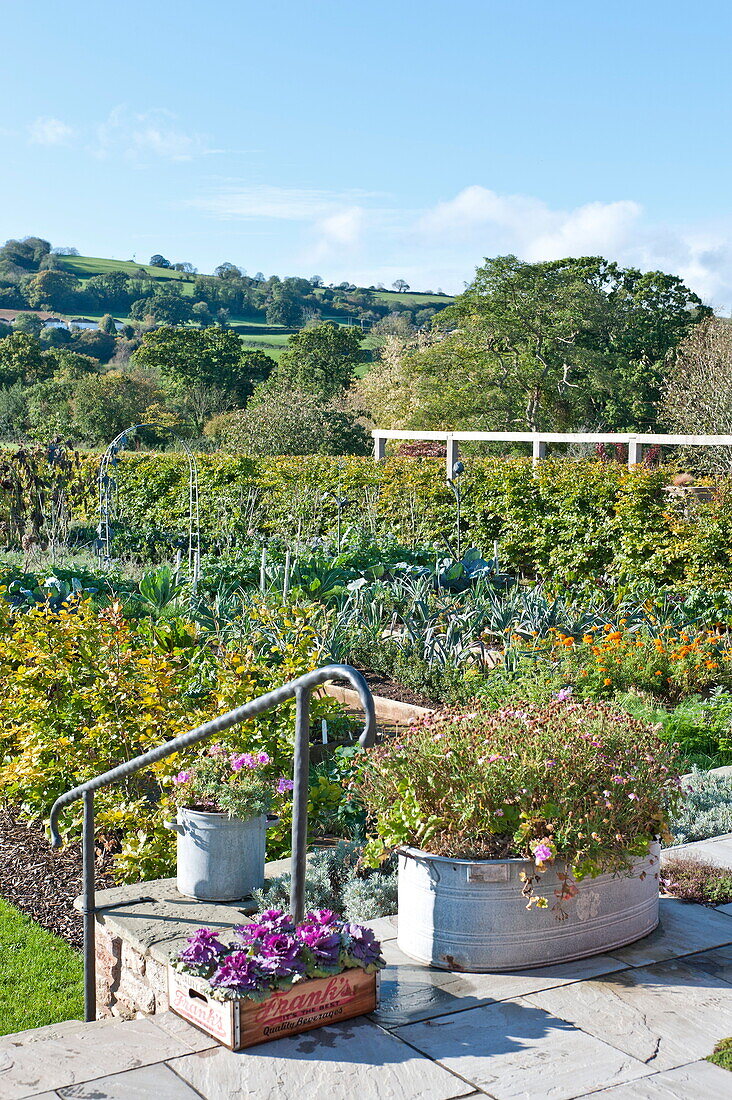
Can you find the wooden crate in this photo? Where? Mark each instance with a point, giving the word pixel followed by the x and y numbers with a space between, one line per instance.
pixel 240 1023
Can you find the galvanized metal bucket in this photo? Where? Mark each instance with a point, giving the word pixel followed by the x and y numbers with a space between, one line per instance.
pixel 220 858
pixel 470 915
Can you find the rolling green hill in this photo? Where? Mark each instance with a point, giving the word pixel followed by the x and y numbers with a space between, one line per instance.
pixel 86 266
pixel 83 267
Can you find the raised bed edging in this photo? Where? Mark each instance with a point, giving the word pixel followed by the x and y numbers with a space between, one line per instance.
pixel 387 710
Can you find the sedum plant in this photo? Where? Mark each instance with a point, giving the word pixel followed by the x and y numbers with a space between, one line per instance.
pixel 580 782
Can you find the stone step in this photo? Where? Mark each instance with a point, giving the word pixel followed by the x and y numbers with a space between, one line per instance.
pixel 717 851
pixel 37 1062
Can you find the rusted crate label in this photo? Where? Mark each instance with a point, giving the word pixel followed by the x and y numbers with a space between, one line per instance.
pixel 488 872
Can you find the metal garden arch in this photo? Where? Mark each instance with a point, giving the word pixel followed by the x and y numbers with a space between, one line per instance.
pixel 108 489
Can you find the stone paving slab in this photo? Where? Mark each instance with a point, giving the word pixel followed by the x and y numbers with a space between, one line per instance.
pixel 350 1061
pixel 717 851
pixel 411 991
pixel 632 1024
pixel 697 1081
pixel 664 1015
pixel 157 1082
pixel 153 918
pixel 32 1066
pixel 514 1049
pixel 684 929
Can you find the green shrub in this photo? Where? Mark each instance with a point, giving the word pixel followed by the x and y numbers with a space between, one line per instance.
pixel 82 690
pixel 567 521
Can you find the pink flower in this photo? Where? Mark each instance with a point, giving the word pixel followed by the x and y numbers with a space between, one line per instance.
pixel 182 777
pixel 542 852
pixel 242 760
pixel 263 758
pixel 284 785
pixel 633 796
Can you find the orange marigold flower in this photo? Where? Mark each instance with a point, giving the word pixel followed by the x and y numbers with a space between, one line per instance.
pixel 607 680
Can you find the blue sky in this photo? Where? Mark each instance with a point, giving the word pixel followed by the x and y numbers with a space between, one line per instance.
pixel 371 141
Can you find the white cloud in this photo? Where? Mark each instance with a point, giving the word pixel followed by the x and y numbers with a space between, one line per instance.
pixel 337 234
pixel 233 201
pixel 358 235
pixel 139 136
pixel 49 131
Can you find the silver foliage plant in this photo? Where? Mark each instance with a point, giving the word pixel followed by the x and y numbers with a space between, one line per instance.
pixel 333 882
pixel 707 810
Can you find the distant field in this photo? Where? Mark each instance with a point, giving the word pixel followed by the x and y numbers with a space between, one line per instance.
pixel 391 297
pixel 272 338
pixel 86 266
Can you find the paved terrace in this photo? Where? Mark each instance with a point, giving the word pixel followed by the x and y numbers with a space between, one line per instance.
pixel 636 1023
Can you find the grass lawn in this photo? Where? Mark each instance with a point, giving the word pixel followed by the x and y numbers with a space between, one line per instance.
pixel 41 977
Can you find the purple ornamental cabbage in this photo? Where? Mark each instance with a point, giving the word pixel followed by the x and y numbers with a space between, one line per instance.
pixel 238 972
pixel 324 917
pixel 361 944
pixel 280 956
pixel 203 948
pixel 324 941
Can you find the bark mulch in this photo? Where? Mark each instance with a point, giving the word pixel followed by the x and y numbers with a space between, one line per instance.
pixel 42 882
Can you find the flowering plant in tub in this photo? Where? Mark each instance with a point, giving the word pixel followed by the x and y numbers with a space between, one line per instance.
pixel 223 799
pixel 299 975
pixel 238 784
pixel 498 812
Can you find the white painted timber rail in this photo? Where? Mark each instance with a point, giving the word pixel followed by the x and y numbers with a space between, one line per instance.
pixel 539 440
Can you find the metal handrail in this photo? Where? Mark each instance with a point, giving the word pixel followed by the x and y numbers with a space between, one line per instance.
pixel 301 690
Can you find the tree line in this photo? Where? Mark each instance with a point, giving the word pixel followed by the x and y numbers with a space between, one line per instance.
pixel 33 276
pixel 579 344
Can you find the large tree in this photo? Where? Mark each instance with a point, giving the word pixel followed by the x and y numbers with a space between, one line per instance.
pixel 196 363
pixel 57 290
pixel 321 359
pixel 698 395
pixel 166 307
pixel 576 344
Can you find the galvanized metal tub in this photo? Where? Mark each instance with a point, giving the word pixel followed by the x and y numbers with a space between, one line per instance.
pixel 459 914
pixel 220 858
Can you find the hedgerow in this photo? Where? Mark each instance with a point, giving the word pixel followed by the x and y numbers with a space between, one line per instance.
pixel 566 521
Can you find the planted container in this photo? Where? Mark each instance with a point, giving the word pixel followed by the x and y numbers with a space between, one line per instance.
pixel 276 977
pixel 240 1022
pixel 470 915
pixel 219 858
pixel 526 835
